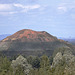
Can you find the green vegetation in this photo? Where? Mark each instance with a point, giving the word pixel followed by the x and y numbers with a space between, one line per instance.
pixel 5 66
pixel 61 63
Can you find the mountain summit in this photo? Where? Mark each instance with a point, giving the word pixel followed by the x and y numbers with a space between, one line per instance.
pixel 27 35
pixel 29 42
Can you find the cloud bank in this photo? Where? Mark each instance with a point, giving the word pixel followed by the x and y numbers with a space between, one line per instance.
pixel 16 8
pixel 66 7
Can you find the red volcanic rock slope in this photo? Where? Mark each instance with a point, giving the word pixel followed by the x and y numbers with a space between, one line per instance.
pixel 27 35
pixel 29 42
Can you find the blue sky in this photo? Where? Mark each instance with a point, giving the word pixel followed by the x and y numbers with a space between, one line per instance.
pixel 57 17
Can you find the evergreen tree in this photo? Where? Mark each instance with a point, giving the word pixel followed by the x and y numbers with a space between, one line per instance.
pixel 44 63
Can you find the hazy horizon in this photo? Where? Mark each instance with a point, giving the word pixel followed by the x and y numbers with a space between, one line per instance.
pixel 54 17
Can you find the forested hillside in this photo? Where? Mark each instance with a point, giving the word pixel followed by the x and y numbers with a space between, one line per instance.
pixel 62 62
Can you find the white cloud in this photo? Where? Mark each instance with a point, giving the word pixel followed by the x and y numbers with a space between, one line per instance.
pixel 18 5
pixel 8 13
pixel 62 8
pixel 28 7
pixel 5 7
pixel 16 8
pixel 66 7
